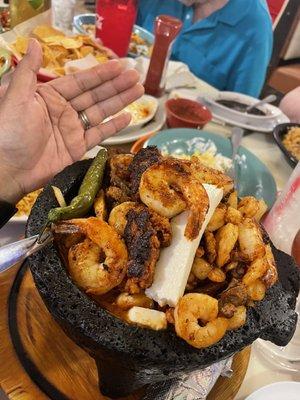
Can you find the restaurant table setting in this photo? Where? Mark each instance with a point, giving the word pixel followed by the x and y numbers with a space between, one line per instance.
pixel 259 168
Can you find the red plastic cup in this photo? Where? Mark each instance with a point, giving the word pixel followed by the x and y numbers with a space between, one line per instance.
pixel 114 23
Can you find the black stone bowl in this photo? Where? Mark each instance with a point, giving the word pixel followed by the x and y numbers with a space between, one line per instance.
pixel 279 133
pixel 129 357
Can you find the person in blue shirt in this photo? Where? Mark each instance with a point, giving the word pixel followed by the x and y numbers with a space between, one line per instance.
pixel 227 43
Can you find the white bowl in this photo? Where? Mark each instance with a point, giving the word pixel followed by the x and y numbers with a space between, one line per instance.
pixel 264 123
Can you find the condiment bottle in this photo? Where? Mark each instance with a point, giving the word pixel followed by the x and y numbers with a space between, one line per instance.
pixel 114 23
pixel 166 30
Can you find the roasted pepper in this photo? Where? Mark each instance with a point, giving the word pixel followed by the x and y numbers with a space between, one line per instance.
pixel 90 185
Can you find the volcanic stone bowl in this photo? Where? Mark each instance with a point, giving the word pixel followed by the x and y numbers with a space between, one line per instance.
pixel 129 357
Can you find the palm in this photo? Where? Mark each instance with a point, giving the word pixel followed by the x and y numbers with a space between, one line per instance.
pixel 43 133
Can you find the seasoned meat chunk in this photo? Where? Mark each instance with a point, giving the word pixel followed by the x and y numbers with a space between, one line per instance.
pixel 143 249
pixel 141 161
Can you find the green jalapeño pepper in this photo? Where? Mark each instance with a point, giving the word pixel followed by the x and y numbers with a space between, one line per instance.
pixel 88 190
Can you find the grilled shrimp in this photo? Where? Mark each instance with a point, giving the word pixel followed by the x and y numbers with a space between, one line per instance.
pixel 250 240
pixel 218 218
pixel 233 215
pixel 190 309
pixel 271 276
pixel 100 206
pixel 256 270
pixel 127 301
pixel 216 275
pixel 257 290
pixel 238 319
pixel 226 238
pixel 169 188
pixel 210 246
pixel 232 200
pixel 201 268
pixel 97 264
pixel 117 217
pixel 210 175
pixel 248 206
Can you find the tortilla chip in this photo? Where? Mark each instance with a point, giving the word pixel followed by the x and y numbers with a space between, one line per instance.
pixel 85 50
pixel 59 52
pixel 59 71
pixel 21 44
pixel 59 49
pixel 46 31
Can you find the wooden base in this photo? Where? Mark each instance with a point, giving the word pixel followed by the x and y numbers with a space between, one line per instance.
pixel 41 362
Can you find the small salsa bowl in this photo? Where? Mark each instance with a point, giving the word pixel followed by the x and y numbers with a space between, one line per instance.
pixel 186 113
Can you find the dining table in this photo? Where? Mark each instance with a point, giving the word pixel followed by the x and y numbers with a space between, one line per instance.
pixel 260 370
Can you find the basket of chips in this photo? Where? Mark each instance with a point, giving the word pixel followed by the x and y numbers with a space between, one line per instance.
pixel 61 53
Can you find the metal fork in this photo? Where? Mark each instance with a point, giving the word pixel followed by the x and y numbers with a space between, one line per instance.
pixel 236 138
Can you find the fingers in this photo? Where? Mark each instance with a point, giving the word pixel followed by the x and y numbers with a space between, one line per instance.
pixel 98 112
pixel 23 82
pixel 96 135
pixel 105 91
pixel 71 86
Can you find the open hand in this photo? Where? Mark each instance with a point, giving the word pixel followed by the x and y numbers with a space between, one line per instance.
pixel 40 132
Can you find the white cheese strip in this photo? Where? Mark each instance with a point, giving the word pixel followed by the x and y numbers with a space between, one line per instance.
pixel 175 262
pixel 148 318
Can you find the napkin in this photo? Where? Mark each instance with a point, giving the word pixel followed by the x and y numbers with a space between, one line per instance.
pixel 193 386
pixel 178 73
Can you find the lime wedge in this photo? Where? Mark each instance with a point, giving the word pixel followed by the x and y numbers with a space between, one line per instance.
pixel 36 4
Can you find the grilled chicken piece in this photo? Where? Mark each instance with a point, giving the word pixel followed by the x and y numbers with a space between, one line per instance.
pixel 141 161
pixel 143 249
pixel 119 171
pixel 115 196
pixel 162 227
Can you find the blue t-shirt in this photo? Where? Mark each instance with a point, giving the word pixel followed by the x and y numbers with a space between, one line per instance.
pixel 230 49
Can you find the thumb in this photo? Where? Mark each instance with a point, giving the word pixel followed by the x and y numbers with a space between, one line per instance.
pixel 23 81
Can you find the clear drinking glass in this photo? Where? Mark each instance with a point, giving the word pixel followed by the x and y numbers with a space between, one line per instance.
pixel 283 227
pixel 63 14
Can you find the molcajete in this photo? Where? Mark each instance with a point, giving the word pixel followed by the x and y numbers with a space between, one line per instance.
pixel 129 357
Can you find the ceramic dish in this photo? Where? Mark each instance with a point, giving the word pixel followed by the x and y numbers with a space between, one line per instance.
pixel 89 19
pixel 131 134
pixel 267 123
pixel 130 357
pixel 254 177
pixel 279 132
pixel 277 391
pixel 142 110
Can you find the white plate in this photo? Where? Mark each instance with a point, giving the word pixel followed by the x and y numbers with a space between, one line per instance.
pixel 148 101
pixel 277 391
pixel 130 134
pixel 247 121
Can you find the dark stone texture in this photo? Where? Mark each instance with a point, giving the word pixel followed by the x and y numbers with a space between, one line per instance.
pixel 130 357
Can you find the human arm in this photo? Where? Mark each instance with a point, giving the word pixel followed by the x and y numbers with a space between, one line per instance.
pixel 40 132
